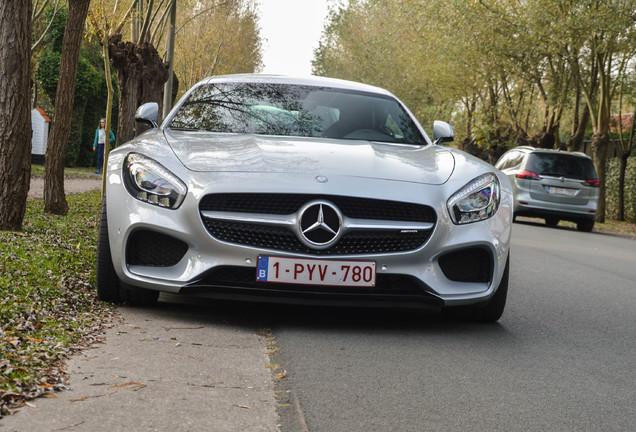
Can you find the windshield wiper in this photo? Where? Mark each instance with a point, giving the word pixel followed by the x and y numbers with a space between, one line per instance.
pixel 183 128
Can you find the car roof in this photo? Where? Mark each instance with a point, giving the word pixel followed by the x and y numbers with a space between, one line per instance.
pixel 284 79
pixel 530 149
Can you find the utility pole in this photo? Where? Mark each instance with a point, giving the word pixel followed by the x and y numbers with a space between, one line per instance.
pixel 167 91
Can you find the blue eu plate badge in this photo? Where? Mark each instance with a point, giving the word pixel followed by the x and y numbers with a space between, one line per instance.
pixel 261 271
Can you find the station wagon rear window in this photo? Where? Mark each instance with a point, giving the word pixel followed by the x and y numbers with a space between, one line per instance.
pixel 561 165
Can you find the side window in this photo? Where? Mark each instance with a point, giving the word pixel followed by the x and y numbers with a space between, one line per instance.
pixel 504 163
pixel 512 159
pixel 516 160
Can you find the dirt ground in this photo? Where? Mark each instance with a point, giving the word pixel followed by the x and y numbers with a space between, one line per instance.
pixel 71 185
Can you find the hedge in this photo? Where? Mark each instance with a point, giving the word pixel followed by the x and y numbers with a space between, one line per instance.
pixel 611 189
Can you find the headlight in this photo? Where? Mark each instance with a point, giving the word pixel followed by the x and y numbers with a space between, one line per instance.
pixel 149 181
pixel 477 201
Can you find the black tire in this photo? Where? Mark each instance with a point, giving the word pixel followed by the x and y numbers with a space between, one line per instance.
pixel 141 296
pixel 488 312
pixel 108 287
pixel 551 221
pixel 585 225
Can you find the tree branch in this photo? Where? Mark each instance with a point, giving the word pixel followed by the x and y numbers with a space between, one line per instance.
pixel 37 44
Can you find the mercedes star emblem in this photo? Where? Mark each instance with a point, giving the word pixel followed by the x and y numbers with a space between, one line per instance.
pixel 320 224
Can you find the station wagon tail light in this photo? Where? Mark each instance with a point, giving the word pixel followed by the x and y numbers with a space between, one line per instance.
pixel 593 183
pixel 528 175
pixel 149 181
pixel 476 201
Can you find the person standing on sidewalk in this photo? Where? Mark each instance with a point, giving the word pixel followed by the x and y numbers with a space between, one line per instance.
pixel 98 143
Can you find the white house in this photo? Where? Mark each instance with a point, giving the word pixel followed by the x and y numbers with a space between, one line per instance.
pixel 40 125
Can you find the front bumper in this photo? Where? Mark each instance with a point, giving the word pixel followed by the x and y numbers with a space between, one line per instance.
pixel 208 267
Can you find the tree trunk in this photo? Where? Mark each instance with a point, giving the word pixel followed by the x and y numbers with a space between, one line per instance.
pixel 621 186
pixel 15 117
pixel 600 141
pixel 575 142
pixel 546 140
pixel 141 75
pixel 109 110
pixel 469 104
pixel 154 77
pixel 54 198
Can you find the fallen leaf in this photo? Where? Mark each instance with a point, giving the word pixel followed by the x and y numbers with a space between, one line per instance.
pixel 83 398
pixel 130 385
pixel 72 426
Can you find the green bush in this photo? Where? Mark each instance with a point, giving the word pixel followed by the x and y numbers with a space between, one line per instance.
pixel 611 189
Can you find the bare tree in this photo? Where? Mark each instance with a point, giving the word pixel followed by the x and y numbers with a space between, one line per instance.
pixel 15 116
pixel 54 198
pixel 38 8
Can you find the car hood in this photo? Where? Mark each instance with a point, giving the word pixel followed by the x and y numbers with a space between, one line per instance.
pixel 213 152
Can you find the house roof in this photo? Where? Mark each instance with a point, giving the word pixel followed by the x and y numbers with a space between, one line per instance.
pixel 43 114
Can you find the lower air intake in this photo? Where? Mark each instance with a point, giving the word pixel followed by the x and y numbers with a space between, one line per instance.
pixel 149 248
pixel 468 265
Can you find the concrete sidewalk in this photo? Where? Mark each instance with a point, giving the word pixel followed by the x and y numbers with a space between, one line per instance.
pixel 169 368
pixel 71 185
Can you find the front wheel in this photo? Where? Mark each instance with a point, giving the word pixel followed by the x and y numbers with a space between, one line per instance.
pixel 488 312
pixel 108 287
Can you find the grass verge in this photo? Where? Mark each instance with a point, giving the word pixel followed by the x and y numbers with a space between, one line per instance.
pixel 48 307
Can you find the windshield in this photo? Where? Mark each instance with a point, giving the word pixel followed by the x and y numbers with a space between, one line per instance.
pixel 294 110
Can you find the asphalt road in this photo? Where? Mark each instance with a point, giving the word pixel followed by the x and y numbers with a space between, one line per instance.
pixel 563 356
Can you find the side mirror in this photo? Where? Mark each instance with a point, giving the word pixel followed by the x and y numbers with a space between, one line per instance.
pixel 148 114
pixel 442 132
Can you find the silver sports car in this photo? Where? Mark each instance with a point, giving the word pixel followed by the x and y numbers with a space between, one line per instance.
pixel 308 190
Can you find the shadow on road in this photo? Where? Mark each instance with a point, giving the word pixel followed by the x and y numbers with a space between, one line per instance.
pixel 350 319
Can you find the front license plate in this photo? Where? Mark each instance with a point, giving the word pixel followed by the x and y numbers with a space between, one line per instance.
pixel 560 191
pixel 315 272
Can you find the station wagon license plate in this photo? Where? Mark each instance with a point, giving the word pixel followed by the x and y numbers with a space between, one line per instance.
pixel 315 272
pixel 560 191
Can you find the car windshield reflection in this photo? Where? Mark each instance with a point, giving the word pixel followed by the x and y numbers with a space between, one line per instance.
pixel 296 110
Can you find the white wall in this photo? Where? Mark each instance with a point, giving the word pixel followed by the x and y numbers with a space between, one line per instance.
pixel 40 133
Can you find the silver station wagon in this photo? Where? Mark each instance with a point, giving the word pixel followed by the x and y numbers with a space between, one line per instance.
pixel 310 190
pixel 554 185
